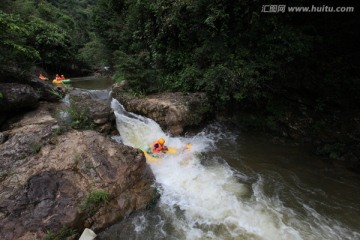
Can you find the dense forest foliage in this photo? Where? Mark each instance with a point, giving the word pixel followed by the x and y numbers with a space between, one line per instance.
pixel 51 34
pixel 273 63
pixel 230 49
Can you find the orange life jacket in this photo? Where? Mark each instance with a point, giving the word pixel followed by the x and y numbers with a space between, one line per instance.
pixel 157 147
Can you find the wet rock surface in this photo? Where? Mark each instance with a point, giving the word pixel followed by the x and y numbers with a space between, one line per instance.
pixel 46 178
pixel 175 112
pixel 97 111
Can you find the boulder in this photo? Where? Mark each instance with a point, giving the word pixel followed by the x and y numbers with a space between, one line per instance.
pixel 47 179
pixel 174 112
pixel 18 97
pixel 96 112
pixel 15 97
pixel 46 90
pixel 25 137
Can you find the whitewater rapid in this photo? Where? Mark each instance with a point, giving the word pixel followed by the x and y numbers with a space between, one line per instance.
pixel 202 197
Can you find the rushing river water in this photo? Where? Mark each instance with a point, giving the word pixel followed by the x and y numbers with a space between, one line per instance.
pixel 237 185
pixel 233 185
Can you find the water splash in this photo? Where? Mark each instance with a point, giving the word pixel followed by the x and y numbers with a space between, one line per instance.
pixel 104 94
pixel 66 100
pixel 212 201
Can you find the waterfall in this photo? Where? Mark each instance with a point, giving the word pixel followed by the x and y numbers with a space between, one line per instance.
pixel 202 197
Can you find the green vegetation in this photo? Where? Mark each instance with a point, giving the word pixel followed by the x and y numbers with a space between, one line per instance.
pixel 92 202
pixel 80 119
pixel 282 69
pixel 230 50
pixel 55 93
pixel 15 52
pixel 74 117
pixel 48 33
pixel 36 147
pixel 62 234
pixel 273 66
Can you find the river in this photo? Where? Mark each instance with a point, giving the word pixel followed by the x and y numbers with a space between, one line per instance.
pixel 92 82
pixel 237 185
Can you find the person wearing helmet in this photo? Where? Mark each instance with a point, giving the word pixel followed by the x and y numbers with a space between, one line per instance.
pixel 159 146
pixel 42 77
pixel 57 77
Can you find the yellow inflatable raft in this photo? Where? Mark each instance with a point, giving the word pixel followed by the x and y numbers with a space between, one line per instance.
pixel 65 81
pixel 153 159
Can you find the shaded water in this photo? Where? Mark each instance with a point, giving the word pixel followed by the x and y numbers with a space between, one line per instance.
pixel 320 193
pixel 233 185
pixel 93 83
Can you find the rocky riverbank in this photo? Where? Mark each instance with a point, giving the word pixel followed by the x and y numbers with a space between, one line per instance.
pixel 53 180
pixel 60 170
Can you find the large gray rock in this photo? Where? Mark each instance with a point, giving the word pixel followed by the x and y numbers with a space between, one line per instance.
pixel 46 90
pixel 173 111
pixel 45 178
pixel 15 97
pixel 96 112
pixel 25 138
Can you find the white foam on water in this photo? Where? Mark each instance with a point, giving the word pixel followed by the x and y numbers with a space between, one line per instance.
pixel 140 223
pixel 135 130
pixel 205 198
pixel 211 202
pixel 66 100
pixel 104 94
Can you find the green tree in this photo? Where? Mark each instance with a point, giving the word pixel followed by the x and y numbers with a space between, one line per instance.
pixel 55 30
pixel 230 49
pixel 16 54
pixel 108 21
pixel 95 54
pixel 53 43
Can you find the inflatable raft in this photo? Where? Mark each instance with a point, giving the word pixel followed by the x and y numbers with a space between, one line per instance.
pixel 65 81
pixel 152 158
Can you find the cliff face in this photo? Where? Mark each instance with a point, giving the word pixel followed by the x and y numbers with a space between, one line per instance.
pixel 174 112
pixel 49 178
